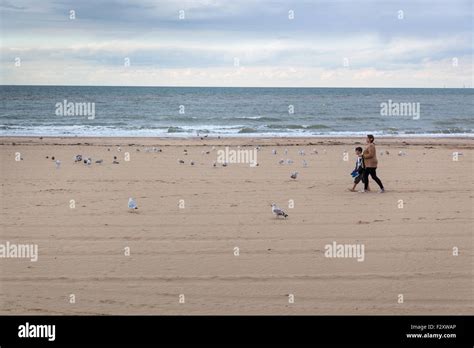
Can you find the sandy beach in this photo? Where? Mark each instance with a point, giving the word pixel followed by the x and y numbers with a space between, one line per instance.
pixel 182 239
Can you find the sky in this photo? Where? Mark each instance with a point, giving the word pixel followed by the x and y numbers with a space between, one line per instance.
pixel 267 43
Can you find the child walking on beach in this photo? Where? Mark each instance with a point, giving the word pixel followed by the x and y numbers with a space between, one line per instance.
pixel 358 172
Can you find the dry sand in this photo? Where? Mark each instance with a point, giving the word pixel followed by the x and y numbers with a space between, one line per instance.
pixel 190 251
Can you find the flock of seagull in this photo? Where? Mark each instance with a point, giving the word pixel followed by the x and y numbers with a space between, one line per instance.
pixel 132 203
pixel 277 211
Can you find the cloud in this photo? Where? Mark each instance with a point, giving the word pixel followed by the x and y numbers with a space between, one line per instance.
pixel 270 47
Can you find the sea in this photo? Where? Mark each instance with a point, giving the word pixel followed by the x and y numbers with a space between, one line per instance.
pixel 234 112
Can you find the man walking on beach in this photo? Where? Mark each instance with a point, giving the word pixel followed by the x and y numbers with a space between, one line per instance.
pixel 370 160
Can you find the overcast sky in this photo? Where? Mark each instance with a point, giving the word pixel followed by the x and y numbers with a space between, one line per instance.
pixel 331 43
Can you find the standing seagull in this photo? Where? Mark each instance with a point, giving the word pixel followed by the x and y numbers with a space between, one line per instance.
pixel 278 212
pixel 294 175
pixel 132 204
pixel 58 164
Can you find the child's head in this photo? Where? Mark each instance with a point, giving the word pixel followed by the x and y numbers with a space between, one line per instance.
pixel 358 150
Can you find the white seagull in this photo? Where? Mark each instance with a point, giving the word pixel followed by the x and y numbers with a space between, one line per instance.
pixel 278 212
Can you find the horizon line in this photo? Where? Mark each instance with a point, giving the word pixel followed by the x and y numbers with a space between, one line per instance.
pixel 293 87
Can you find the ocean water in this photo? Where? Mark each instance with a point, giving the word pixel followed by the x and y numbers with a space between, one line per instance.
pixel 187 111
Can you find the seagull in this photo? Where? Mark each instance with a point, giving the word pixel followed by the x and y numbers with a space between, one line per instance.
pixel 301 152
pixel 214 164
pixel 181 161
pixel 305 164
pixel 58 164
pixel 192 163
pixel 278 212
pixel 274 152
pixel 289 161
pixel 119 149
pixel 132 204
pixel 286 151
pixel 89 161
pixel 282 161
pixel 224 164
pixel 294 175
pixel 78 158
pixel 99 161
